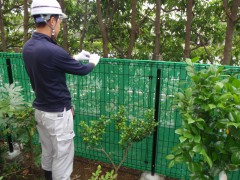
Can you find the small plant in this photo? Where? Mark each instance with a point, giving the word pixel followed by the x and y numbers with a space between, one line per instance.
pixel 209 135
pixel 108 176
pixel 17 119
pixel 131 131
pixel 25 129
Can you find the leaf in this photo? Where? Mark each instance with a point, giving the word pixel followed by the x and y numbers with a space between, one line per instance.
pixel 219 145
pixel 200 126
pixel 196 59
pixel 188 92
pixel 236 125
pixel 188 135
pixel 220 84
pixel 235 158
pixel 208 160
pixel 206 157
pixel 211 106
pixel 194 167
pixel 179 131
pixel 236 83
pixel 182 139
pixel 197 139
pixel 171 164
pixel 231 116
pixel 189 69
pixel 180 159
pixel 180 96
pixel 234 149
pixel 225 96
pixel 170 157
pixel 190 120
pixel 198 148
pixel 189 61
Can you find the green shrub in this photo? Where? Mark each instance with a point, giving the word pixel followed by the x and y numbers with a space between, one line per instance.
pixel 130 130
pixel 210 112
pixel 17 119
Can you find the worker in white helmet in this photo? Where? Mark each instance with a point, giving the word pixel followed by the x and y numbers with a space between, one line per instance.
pixel 46 64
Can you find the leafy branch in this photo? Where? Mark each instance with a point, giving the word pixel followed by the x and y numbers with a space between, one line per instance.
pixel 131 131
pixel 209 135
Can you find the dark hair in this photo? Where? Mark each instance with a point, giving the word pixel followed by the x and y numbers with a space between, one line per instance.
pixel 40 22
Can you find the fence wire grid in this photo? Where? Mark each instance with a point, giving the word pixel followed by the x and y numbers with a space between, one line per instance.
pixel 119 82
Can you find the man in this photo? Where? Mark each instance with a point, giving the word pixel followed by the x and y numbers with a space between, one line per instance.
pixel 46 64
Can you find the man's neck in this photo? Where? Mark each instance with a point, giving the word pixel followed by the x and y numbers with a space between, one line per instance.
pixel 44 30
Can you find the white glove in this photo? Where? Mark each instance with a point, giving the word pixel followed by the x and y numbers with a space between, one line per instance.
pixel 83 55
pixel 94 58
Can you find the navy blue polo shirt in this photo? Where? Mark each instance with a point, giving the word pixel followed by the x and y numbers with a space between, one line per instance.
pixel 46 64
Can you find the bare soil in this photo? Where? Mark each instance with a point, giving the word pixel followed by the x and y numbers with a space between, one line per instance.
pixel 83 169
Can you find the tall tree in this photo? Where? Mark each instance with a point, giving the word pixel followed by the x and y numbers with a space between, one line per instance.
pixel 156 51
pixel 3 35
pixel 65 28
pixel 187 49
pixel 133 29
pixel 26 20
pixel 103 29
pixel 85 20
pixel 232 17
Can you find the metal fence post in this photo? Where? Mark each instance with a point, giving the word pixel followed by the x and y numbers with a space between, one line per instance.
pixel 10 79
pixel 155 133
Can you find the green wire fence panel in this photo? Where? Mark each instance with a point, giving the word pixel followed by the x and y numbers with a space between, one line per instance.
pixel 3 70
pixel 128 83
pixel 12 69
pixel 114 83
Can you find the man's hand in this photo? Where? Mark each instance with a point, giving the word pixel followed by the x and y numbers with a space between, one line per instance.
pixel 84 55
pixel 94 58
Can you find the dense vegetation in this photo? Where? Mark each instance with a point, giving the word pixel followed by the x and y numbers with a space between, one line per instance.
pixel 137 29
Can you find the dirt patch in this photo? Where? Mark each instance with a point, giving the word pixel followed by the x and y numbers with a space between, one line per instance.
pixel 83 169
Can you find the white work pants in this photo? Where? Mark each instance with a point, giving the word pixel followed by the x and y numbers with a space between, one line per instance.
pixel 56 137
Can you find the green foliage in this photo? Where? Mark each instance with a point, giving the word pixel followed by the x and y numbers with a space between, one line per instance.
pixel 207 29
pixel 108 176
pixel 206 40
pixel 135 130
pixel 209 135
pixel 92 134
pixel 17 119
pixel 131 131
pixel 11 100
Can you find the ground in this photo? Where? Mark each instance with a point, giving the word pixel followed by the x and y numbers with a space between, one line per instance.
pixel 83 169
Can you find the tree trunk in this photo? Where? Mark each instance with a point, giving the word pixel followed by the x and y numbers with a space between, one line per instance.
pixel 231 22
pixel 187 49
pixel 3 35
pixel 26 20
pixel 156 51
pixel 133 29
pixel 84 25
pixel 65 28
pixel 103 29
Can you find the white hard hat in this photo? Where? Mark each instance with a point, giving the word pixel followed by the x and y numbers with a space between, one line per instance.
pixel 44 7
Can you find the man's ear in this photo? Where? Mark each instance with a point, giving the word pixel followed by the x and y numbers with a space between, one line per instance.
pixel 52 21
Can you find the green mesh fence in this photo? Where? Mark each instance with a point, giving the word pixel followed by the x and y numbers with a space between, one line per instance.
pixel 130 83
